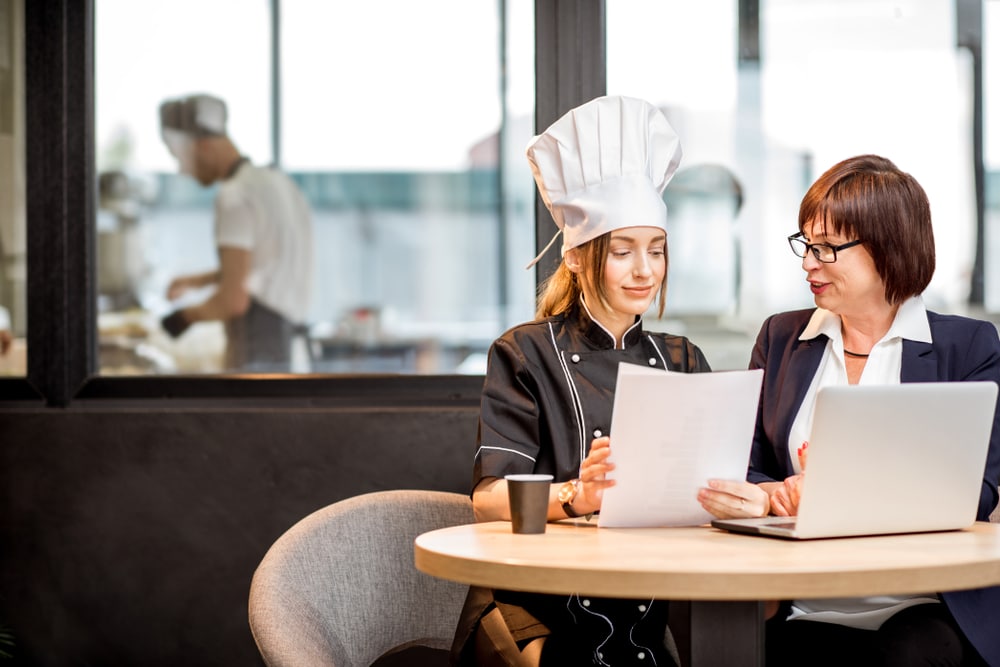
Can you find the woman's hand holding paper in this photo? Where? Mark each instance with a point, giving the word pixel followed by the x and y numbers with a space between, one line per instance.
pixel 730 499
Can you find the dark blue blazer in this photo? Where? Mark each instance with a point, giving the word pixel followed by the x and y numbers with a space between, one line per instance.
pixel 962 349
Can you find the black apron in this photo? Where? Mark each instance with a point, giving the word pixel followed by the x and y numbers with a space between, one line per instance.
pixel 260 341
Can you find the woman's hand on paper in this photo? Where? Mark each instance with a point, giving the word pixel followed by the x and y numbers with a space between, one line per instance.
pixel 785 497
pixel 732 499
pixel 593 476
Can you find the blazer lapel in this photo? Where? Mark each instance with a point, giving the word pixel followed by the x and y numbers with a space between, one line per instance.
pixel 805 360
pixel 919 362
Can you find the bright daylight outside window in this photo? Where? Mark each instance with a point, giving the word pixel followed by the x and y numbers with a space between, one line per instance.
pixel 991 153
pixel 400 162
pixel 758 128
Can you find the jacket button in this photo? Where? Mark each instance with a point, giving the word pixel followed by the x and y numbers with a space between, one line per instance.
pixel 597 433
pixel 575 358
pixel 652 361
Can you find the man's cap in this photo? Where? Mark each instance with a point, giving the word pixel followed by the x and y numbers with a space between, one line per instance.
pixel 199 115
pixel 603 166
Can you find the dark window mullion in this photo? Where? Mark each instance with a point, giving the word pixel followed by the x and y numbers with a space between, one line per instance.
pixel 59 167
pixel 570 69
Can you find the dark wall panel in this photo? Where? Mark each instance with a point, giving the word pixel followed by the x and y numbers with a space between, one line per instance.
pixel 130 537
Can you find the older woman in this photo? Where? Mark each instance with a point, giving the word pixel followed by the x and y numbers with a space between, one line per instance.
pixel 867 249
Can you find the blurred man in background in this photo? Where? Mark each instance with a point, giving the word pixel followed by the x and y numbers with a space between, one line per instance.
pixel 263 232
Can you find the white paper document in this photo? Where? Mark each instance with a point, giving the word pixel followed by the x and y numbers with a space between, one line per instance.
pixel 670 433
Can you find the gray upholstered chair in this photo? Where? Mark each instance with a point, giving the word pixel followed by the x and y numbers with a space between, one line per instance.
pixel 339 588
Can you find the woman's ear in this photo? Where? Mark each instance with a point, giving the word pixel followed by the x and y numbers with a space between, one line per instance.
pixel 572 260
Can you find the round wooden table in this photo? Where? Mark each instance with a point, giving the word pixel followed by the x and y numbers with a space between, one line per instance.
pixel 723 576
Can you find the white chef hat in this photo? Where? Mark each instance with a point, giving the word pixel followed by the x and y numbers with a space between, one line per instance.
pixel 604 166
pixel 198 115
pixel 185 119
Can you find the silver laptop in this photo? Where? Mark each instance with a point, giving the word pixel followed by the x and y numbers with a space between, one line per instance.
pixel 884 459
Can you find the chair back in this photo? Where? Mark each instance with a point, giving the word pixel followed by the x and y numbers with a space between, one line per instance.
pixel 340 589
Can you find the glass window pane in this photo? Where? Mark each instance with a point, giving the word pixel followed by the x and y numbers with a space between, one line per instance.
pixel 154 224
pixel 991 154
pixel 391 123
pixel 394 127
pixel 834 79
pixel 682 57
pixel 13 242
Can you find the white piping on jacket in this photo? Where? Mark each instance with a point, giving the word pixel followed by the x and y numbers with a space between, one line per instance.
pixel 577 404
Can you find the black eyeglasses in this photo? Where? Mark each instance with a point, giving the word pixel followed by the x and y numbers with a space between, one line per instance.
pixel 823 252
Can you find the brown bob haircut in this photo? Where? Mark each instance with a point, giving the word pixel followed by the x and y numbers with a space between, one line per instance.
pixel 868 198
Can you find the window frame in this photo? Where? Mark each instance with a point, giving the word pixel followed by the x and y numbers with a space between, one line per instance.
pixel 62 340
pixel 62 336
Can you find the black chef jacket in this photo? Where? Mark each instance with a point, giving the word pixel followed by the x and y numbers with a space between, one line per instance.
pixel 548 392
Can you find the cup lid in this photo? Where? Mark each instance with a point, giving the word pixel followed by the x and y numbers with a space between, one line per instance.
pixel 529 477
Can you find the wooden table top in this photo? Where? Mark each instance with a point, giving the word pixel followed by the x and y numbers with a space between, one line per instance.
pixel 703 563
